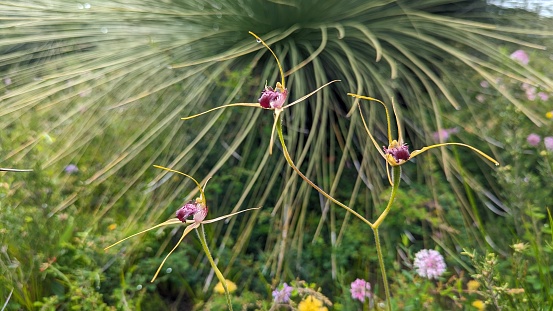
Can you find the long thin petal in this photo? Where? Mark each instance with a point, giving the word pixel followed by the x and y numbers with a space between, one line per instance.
pixel 417 152
pixel 398 123
pixel 278 62
pixel 165 223
pixel 304 97
pixel 255 105
pixel 186 175
pixel 277 115
pixel 229 215
pixel 370 135
pixel 385 108
pixel 13 170
pixel 186 231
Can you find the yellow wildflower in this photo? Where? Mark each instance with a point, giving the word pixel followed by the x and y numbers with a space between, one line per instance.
pixel 311 304
pixel 112 227
pixel 473 285
pixel 220 290
pixel 549 114
pixel 479 304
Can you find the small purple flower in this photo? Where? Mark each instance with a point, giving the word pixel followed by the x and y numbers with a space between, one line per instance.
pixel 192 208
pixel 283 295
pixel 533 139
pixel 273 99
pixel 71 169
pixel 400 152
pixel 429 263
pixel 543 96
pixel 360 289
pixel 548 141
pixel 7 81
pixel 520 56
pixel 484 84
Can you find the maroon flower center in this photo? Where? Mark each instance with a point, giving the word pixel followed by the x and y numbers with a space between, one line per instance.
pixel 192 208
pixel 272 98
pixel 399 152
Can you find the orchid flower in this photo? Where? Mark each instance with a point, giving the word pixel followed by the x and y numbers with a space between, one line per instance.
pixel 197 209
pixel 271 99
pixel 397 153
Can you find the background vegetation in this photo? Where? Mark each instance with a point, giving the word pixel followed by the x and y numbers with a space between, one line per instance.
pixel 102 86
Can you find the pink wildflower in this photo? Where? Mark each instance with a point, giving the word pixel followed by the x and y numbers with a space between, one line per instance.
pixel 543 96
pixel 533 139
pixel 360 289
pixel 520 56
pixel 548 141
pixel 444 134
pixel 429 264
pixel 484 84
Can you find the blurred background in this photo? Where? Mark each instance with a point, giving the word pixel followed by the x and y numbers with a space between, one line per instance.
pixel 91 98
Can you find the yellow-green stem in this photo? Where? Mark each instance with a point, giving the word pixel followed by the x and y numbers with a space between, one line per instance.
pixel 321 191
pixel 382 270
pixel 218 273
pixel 396 175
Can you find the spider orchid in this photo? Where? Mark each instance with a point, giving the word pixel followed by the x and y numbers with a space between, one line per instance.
pixel 397 153
pixel 197 209
pixel 271 99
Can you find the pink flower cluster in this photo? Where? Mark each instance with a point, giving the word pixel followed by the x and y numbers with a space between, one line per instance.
pixel 532 92
pixel 360 289
pixel 534 140
pixel 520 56
pixel 429 264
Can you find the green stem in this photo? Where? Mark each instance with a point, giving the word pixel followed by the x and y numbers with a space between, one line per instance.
pixel 396 178
pixel 382 269
pixel 321 191
pixel 220 276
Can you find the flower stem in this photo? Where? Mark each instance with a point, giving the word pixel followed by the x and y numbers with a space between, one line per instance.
pixel 321 191
pixel 382 269
pixel 220 276
pixel 396 178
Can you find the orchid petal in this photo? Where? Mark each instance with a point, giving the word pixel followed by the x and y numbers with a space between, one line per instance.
pixel 385 108
pixel 370 135
pixel 277 115
pixel 229 215
pixel 13 170
pixel 417 152
pixel 306 96
pixel 165 223
pixel 202 196
pixel 186 231
pixel 399 128
pixel 278 62
pixel 255 105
